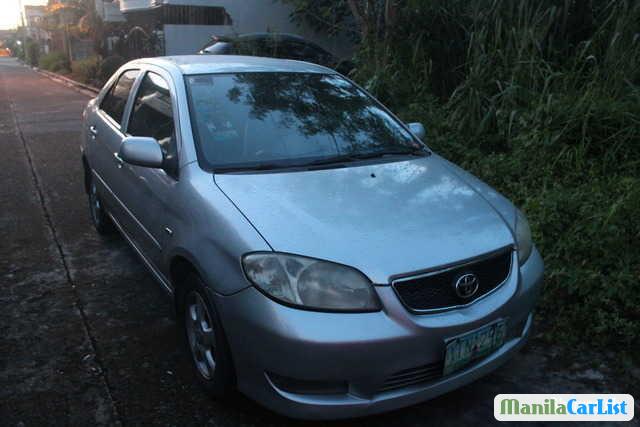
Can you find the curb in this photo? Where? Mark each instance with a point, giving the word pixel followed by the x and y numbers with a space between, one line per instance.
pixel 81 87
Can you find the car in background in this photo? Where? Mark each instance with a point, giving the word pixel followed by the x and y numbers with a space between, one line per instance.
pixel 275 45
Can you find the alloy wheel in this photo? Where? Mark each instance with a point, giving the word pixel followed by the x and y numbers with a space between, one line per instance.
pixel 200 334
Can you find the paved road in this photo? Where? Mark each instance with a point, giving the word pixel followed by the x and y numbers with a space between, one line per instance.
pixel 87 337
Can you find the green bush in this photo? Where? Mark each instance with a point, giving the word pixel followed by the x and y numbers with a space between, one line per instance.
pixel 110 65
pixel 87 70
pixel 55 61
pixel 32 53
pixel 542 100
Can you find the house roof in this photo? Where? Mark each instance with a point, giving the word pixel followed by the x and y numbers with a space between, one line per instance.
pixel 203 64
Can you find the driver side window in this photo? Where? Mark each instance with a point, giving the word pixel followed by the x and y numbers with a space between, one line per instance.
pixel 115 100
pixel 152 116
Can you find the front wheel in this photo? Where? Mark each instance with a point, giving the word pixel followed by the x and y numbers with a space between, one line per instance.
pixel 205 340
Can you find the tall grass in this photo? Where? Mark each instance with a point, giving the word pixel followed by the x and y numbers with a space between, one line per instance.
pixel 540 98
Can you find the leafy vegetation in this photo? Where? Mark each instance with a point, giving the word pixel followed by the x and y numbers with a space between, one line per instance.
pixel 542 100
pixel 110 65
pixel 32 53
pixel 55 61
pixel 87 70
pixel 93 70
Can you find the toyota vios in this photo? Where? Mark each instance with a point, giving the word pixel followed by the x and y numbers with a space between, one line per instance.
pixel 322 259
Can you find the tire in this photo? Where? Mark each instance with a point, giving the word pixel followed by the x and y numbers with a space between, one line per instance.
pixel 99 217
pixel 205 340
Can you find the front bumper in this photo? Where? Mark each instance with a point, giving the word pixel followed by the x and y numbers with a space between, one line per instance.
pixel 365 349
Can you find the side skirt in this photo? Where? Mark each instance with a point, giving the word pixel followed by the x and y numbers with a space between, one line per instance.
pixel 157 274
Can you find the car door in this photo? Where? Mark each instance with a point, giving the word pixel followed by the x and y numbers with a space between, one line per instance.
pixel 105 137
pixel 151 191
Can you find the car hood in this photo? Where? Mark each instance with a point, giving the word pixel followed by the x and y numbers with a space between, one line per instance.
pixel 384 219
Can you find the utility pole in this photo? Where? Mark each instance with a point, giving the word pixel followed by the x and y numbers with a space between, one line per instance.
pixel 24 30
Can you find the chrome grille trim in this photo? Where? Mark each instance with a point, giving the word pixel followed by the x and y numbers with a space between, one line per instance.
pixel 449 267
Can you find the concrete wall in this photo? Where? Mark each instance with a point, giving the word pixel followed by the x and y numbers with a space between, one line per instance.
pixel 248 16
pixel 269 15
pixel 108 11
pixel 129 5
pixel 188 39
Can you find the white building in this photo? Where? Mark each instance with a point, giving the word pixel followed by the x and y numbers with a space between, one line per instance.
pixel 33 17
pixel 109 11
pixel 188 24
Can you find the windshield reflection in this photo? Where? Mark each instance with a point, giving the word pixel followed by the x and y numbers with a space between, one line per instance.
pixel 285 119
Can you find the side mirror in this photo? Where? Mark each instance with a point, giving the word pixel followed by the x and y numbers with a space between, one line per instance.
pixel 141 151
pixel 418 130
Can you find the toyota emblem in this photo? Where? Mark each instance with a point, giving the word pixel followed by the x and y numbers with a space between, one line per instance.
pixel 467 285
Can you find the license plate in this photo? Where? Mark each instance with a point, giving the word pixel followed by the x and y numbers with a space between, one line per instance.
pixel 463 349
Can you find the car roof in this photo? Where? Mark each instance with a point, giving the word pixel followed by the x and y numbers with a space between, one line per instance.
pixel 206 64
pixel 265 35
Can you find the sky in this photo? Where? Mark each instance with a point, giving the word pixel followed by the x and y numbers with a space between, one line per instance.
pixel 10 12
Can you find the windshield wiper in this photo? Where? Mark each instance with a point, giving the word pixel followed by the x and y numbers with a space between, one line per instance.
pixel 342 158
pixel 393 152
pixel 257 167
pixel 354 157
pixel 330 160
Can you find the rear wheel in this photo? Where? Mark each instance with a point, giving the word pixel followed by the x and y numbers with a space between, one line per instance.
pixel 99 217
pixel 205 340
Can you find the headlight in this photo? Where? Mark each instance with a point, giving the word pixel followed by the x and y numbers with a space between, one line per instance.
pixel 310 283
pixel 523 237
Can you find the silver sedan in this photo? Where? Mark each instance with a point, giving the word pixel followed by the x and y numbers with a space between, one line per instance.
pixel 321 258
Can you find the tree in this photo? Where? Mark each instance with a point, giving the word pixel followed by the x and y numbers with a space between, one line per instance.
pixel 368 19
pixel 32 53
pixel 369 22
pixel 375 18
pixel 327 16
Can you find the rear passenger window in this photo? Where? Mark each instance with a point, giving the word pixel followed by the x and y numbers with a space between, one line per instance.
pixel 115 100
pixel 152 115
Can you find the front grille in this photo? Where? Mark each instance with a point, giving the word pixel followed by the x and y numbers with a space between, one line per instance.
pixel 436 290
pixel 420 375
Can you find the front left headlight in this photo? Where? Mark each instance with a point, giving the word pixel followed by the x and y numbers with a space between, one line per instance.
pixel 310 283
pixel 523 237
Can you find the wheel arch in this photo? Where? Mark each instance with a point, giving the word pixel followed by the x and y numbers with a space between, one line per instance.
pixel 182 264
pixel 180 267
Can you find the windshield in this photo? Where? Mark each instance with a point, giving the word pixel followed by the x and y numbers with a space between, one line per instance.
pixel 270 120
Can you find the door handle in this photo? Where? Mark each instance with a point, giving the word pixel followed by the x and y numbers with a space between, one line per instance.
pixel 119 160
pixel 93 131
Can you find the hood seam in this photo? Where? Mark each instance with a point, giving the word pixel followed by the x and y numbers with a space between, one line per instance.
pixel 242 213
